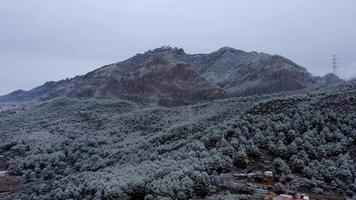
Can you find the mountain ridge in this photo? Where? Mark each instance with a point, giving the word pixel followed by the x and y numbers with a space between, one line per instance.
pixel 147 78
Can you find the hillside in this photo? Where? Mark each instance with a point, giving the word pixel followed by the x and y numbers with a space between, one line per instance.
pixel 328 79
pixel 115 149
pixel 169 76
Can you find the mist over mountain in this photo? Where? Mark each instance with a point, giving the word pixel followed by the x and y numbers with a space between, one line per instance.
pixel 168 76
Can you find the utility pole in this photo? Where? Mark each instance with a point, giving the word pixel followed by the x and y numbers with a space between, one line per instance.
pixel 334 63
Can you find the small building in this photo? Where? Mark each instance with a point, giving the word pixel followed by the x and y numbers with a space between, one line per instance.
pixel 3 173
pixel 268 174
pixel 305 197
pixel 283 197
pixel 298 197
pixel 268 177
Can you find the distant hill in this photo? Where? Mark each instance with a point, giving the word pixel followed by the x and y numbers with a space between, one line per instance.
pixel 328 79
pixel 169 76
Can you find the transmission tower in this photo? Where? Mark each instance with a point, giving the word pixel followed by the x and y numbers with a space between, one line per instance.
pixel 334 63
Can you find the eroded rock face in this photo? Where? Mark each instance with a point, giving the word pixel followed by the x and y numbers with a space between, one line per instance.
pixel 169 76
pixel 255 73
pixel 157 82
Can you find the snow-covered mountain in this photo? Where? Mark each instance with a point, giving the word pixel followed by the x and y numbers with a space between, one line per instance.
pixel 169 76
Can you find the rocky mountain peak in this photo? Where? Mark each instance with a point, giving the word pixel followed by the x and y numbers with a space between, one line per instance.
pixel 229 49
pixel 166 50
pixel 169 76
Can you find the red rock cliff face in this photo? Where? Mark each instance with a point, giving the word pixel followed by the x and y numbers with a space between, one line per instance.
pixel 158 82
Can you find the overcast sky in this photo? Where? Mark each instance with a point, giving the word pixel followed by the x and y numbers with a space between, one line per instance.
pixel 43 40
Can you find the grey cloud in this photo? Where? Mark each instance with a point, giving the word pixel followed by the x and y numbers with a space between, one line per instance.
pixel 50 40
